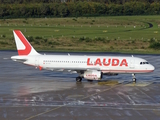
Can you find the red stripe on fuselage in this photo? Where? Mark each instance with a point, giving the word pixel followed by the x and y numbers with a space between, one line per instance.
pixel 127 71
pixel 27 50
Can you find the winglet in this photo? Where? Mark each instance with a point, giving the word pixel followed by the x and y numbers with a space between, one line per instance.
pixel 22 44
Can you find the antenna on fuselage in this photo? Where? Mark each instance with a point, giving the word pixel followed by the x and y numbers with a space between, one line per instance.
pixel 132 56
pixel 68 54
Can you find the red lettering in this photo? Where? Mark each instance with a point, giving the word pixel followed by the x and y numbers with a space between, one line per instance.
pixel 104 62
pixel 115 62
pixel 124 62
pixel 88 62
pixel 98 61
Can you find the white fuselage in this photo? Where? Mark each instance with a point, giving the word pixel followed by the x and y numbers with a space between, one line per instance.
pixel 105 64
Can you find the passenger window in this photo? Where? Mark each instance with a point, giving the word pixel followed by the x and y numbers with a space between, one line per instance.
pixel 141 63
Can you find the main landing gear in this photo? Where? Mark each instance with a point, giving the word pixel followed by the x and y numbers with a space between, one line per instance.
pixel 78 79
pixel 133 78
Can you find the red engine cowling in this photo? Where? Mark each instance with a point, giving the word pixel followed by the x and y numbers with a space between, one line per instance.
pixel 93 75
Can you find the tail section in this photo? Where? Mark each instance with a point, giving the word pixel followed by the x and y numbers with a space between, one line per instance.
pixel 22 44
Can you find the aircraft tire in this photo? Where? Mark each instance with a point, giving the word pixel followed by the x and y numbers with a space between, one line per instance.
pixel 134 80
pixel 78 79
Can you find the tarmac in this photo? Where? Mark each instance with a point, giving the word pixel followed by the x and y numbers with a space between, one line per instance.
pixel 29 94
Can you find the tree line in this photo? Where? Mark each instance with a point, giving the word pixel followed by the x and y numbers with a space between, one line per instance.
pixel 59 1
pixel 77 9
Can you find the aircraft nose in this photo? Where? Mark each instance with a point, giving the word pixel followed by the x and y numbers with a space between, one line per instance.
pixel 152 68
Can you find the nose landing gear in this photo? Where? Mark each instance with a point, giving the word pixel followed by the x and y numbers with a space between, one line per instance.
pixel 134 78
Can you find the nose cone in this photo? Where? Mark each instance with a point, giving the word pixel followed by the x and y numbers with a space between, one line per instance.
pixel 152 68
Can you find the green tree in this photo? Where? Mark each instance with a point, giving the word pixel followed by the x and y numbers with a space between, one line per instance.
pixel 138 8
pixel 155 8
pixel 71 8
pixel 63 10
pixel 128 9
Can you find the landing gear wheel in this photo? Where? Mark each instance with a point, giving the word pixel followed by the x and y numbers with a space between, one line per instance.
pixel 78 79
pixel 134 78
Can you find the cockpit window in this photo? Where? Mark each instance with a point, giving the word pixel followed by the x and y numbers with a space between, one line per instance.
pixel 143 63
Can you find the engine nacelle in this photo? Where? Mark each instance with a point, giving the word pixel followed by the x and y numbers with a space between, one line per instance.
pixel 93 75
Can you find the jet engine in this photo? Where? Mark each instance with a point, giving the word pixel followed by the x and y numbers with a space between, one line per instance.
pixel 93 75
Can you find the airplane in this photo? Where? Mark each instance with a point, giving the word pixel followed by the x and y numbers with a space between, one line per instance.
pixel 88 67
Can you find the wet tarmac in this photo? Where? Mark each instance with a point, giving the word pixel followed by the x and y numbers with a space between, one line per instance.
pixel 30 94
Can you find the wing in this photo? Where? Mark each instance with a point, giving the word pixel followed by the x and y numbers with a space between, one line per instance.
pixel 72 70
